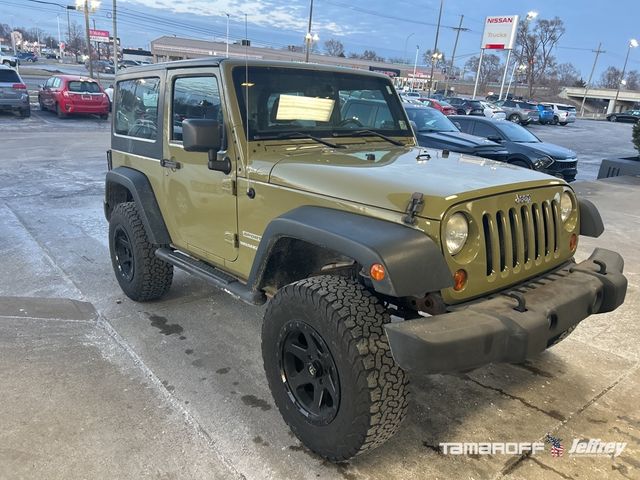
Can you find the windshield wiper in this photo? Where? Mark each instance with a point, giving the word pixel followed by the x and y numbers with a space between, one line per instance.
pixel 287 135
pixel 361 133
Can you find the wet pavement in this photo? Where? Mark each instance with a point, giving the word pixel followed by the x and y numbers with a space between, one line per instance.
pixel 190 367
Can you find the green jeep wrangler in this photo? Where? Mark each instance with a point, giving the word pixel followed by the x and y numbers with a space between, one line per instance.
pixel 376 257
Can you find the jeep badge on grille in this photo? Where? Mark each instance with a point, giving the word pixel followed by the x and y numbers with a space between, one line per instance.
pixel 523 198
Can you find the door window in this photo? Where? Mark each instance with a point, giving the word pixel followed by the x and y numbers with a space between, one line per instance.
pixel 136 112
pixel 194 97
pixel 481 129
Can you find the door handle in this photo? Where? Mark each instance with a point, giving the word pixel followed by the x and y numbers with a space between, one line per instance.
pixel 170 164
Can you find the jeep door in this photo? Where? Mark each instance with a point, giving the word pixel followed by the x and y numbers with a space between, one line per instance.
pixel 203 218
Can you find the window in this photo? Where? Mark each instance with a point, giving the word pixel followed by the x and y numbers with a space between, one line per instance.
pixel 194 97
pixel 481 129
pixel 464 125
pixel 429 120
pixel 509 103
pixel 83 86
pixel 49 82
pixel 56 83
pixel 9 76
pixel 284 101
pixel 136 112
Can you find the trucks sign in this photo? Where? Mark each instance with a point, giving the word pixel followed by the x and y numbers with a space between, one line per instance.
pixel 499 32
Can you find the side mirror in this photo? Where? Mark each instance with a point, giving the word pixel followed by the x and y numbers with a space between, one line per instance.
pixel 204 135
pixel 495 138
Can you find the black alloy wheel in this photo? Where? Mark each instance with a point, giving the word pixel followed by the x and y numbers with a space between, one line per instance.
pixel 309 373
pixel 124 258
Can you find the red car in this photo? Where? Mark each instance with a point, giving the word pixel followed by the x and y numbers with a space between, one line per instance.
pixel 73 94
pixel 440 105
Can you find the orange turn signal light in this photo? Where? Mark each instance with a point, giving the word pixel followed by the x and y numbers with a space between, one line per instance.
pixel 573 242
pixel 377 272
pixel 459 280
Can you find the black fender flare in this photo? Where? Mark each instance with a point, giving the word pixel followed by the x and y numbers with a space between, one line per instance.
pixel 142 194
pixel 414 264
pixel 520 157
pixel 591 224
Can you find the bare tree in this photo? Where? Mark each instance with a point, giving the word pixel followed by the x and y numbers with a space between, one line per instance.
pixel 77 43
pixel 610 78
pixel 535 45
pixel 490 69
pixel 334 48
pixel 367 55
pixel 633 80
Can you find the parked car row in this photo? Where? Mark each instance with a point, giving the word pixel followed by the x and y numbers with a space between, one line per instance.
pixel 490 138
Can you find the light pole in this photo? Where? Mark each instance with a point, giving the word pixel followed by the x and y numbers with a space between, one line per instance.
pixel 453 55
pixel 88 6
pixel 227 34
pixel 308 38
pixel 633 43
pixel 406 40
pixel 115 38
pixel 435 47
pixel 415 68
pixel 588 84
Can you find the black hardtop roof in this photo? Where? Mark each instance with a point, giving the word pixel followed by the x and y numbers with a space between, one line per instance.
pixel 216 61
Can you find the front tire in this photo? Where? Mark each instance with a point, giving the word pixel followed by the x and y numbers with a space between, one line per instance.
pixel 514 118
pixel 613 118
pixel 141 275
pixel 329 366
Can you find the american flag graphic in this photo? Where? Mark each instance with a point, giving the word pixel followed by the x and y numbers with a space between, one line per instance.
pixel 557 450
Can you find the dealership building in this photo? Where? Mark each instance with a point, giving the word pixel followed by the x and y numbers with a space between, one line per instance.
pixel 169 48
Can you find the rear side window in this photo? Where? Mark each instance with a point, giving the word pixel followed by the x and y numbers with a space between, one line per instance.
pixel 136 112
pixel 83 87
pixel 566 109
pixel 194 97
pixel 481 129
pixel 9 76
pixel 463 125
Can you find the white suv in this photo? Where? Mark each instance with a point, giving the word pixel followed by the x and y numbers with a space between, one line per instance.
pixel 8 60
pixel 563 114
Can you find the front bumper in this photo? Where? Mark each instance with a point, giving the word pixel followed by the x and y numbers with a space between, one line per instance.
pixel 511 326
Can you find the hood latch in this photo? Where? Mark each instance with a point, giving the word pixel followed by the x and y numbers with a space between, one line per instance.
pixel 413 208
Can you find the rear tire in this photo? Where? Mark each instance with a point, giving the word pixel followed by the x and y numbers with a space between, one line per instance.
pixel 555 120
pixel 323 343
pixel 613 118
pixel 141 275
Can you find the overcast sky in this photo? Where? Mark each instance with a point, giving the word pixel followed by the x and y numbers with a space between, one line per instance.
pixel 381 25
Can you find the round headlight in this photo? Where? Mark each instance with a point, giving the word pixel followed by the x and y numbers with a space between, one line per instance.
pixel 566 206
pixel 456 232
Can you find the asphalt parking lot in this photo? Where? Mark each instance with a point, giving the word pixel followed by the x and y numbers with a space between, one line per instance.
pixel 109 388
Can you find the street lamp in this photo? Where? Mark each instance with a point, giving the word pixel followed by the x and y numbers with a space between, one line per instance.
pixel 415 68
pixel 88 6
pixel 633 43
pixel 406 40
pixel 531 14
pixel 309 37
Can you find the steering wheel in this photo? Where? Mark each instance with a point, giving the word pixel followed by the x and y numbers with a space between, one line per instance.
pixel 347 121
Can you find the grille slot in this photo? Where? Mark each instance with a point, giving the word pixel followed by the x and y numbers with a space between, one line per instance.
pixel 520 235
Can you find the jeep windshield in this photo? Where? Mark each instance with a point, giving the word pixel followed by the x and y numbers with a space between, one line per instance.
pixel 297 103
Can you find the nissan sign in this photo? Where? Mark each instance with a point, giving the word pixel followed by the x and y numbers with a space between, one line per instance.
pixel 499 32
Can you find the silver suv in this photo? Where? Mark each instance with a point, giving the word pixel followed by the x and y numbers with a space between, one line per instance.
pixel 563 114
pixel 519 111
pixel 13 92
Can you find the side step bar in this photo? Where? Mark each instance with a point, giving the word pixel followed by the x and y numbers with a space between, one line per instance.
pixel 213 275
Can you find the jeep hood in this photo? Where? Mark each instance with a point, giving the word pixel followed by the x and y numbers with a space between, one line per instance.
pixel 395 174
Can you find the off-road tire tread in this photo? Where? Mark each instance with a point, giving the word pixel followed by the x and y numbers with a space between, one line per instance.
pixel 157 275
pixel 358 319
